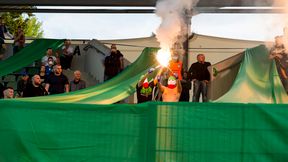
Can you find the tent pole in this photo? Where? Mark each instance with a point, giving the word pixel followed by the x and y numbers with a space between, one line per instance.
pixel 187 28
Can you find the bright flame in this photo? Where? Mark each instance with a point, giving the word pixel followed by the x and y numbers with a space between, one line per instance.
pixel 163 57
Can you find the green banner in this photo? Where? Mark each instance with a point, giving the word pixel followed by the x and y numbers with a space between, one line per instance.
pixel 257 80
pixel 154 132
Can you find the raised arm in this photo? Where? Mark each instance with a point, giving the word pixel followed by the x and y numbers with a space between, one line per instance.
pixel 47 85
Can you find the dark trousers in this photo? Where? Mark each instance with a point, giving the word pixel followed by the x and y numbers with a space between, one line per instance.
pixel 185 96
pixel 200 87
pixel 2 49
pixel 66 61
pixel 16 49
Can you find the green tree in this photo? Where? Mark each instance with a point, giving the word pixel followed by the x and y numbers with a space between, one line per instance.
pixel 29 23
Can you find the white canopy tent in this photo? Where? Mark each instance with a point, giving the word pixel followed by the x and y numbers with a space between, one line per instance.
pixel 216 49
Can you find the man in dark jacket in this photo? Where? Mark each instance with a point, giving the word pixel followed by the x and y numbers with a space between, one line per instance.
pixel 34 88
pixel 57 82
pixel 113 63
pixel 200 77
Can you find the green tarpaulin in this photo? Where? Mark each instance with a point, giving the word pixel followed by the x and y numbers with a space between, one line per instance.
pixel 32 52
pixel 257 81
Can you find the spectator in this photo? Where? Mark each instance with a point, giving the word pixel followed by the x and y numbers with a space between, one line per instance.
pixel 77 83
pixel 119 54
pixel 145 87
pixel 57 82
pixel 200 78
pixel 186 86
pixel 3 31
pixel 22 83
pixel 19 40
pixel 284 38
pixel 278 49
pixel 34 88
pixel 2 88
pixel 42 74
pixel 172 92
pixel 280 55
pixel 8 93
pixel 113 63
pixel 67 55
pixel 165 74
pixel 49 67
pixel 49 53
pixel 175 65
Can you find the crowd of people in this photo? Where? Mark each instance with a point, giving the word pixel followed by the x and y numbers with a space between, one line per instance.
pixel 50 79
pixel 172 84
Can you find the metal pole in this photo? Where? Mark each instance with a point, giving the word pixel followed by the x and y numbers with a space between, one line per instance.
pixel 188 16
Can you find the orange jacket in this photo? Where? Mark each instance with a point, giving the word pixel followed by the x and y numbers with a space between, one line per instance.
pixel 176 67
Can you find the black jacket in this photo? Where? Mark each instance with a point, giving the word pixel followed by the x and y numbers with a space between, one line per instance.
pixel 199 71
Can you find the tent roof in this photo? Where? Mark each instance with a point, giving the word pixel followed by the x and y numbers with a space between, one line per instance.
pixel 216 48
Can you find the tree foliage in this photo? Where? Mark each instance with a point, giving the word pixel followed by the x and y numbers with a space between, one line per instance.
pixel 29 23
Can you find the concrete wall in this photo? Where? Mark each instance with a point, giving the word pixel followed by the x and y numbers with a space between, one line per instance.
pixel 94 59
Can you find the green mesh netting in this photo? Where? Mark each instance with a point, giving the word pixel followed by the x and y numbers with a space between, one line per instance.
pixel 150 132
pixel 32 52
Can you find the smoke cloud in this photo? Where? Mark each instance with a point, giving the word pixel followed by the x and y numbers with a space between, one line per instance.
pixel 283 4
pixel 173 28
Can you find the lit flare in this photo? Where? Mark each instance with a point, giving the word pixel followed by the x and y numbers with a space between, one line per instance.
pixel 163 57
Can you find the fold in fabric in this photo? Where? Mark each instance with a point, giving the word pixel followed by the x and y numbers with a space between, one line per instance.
pixel 257 80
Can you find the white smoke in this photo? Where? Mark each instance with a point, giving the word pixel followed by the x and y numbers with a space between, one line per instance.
pixel 173 28
pixel 283 22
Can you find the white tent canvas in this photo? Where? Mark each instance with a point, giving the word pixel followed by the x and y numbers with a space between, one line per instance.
pixel 216 49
